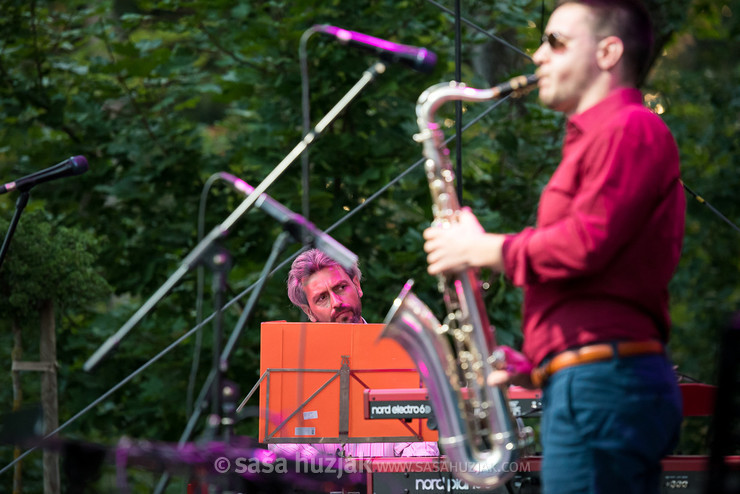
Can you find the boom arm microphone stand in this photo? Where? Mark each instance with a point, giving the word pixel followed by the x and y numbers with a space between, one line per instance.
pixel 211 383
pixel 75 165
pixel 219 231
pixel 205 247
pixel 20 205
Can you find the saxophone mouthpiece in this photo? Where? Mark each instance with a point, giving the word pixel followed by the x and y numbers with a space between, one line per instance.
pixel 516 87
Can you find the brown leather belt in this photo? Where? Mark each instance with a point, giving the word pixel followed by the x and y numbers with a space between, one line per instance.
pixel 593 353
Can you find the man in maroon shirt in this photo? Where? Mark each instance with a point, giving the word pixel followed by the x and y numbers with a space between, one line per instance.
pixel 595 269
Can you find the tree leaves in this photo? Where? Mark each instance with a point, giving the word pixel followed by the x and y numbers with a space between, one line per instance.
pixel 46 262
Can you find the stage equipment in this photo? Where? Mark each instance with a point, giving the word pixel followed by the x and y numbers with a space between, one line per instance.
pixel 243 465
pixel 687 474
pixel 296 224
pixel 313 377
pixel 194 257
pixel 409 403
pixel 204 250
pixel 476 430
pixel 75 165
pixel 239 465
pixel 414 57
pixel 725 427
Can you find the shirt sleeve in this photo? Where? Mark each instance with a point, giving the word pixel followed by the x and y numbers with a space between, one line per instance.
pixel 620 182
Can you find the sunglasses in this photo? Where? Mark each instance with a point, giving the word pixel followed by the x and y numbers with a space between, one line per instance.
pixel 555 40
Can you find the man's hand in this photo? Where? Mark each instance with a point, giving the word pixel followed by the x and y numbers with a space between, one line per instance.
pixel 462 244
pixel 511 367
pixel 506 378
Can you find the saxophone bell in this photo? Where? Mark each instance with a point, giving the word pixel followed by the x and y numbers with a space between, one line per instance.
pixel 477 432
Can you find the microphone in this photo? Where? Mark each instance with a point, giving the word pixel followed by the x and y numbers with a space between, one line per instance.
pixel 75 165
pixel 285 216
pixel 419 59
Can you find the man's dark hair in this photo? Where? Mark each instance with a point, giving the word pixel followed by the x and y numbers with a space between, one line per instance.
pixel 628 20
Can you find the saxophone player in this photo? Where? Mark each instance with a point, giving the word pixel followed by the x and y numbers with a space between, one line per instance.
pixel 595 268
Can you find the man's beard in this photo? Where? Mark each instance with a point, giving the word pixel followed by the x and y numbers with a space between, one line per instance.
pixel 348 316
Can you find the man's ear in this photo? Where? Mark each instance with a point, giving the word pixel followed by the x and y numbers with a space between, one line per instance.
pixel 357 284
pixel 308 312
pixel 609 52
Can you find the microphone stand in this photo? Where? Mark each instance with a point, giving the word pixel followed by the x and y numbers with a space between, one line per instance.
pixel 20 205
pixel 367 77
pixel 221 361
pixel 220 263
pixel 194 256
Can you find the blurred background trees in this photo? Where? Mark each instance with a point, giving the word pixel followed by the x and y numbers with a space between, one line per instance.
pixel 160 95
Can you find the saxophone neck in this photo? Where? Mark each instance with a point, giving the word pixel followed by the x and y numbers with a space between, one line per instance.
pixel 435 96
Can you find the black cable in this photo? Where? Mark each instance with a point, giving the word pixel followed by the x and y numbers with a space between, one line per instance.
pixel 410 168
pixel 306 112
pixel 199 295
pixel 701 200
pixel 481 30
pixel 458 103
pixel 458 20
pixel 107 393
pixel 542 18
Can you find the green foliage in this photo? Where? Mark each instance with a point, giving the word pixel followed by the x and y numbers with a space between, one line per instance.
pixel 159 95
pixel 698 91
pixel 47 262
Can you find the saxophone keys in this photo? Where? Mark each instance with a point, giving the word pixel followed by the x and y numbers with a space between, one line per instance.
pixel 447 175
pixel 437 187
pixel 422 136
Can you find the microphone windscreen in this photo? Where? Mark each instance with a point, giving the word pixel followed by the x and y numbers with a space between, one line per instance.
pixel 79 165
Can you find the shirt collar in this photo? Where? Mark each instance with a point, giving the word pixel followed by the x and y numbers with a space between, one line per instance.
pixel 610 105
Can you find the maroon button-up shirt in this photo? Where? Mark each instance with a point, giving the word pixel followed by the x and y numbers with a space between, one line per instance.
pixel 609 231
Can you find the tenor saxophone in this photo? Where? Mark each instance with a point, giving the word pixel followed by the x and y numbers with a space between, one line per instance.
pixel 477 431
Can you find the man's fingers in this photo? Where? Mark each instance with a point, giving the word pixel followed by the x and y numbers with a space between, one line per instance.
pixel 498 378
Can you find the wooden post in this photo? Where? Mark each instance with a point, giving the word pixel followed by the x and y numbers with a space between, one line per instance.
pixel 47 365
pixel 48 355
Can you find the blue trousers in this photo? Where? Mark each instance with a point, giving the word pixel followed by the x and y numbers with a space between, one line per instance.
pixel 606 425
